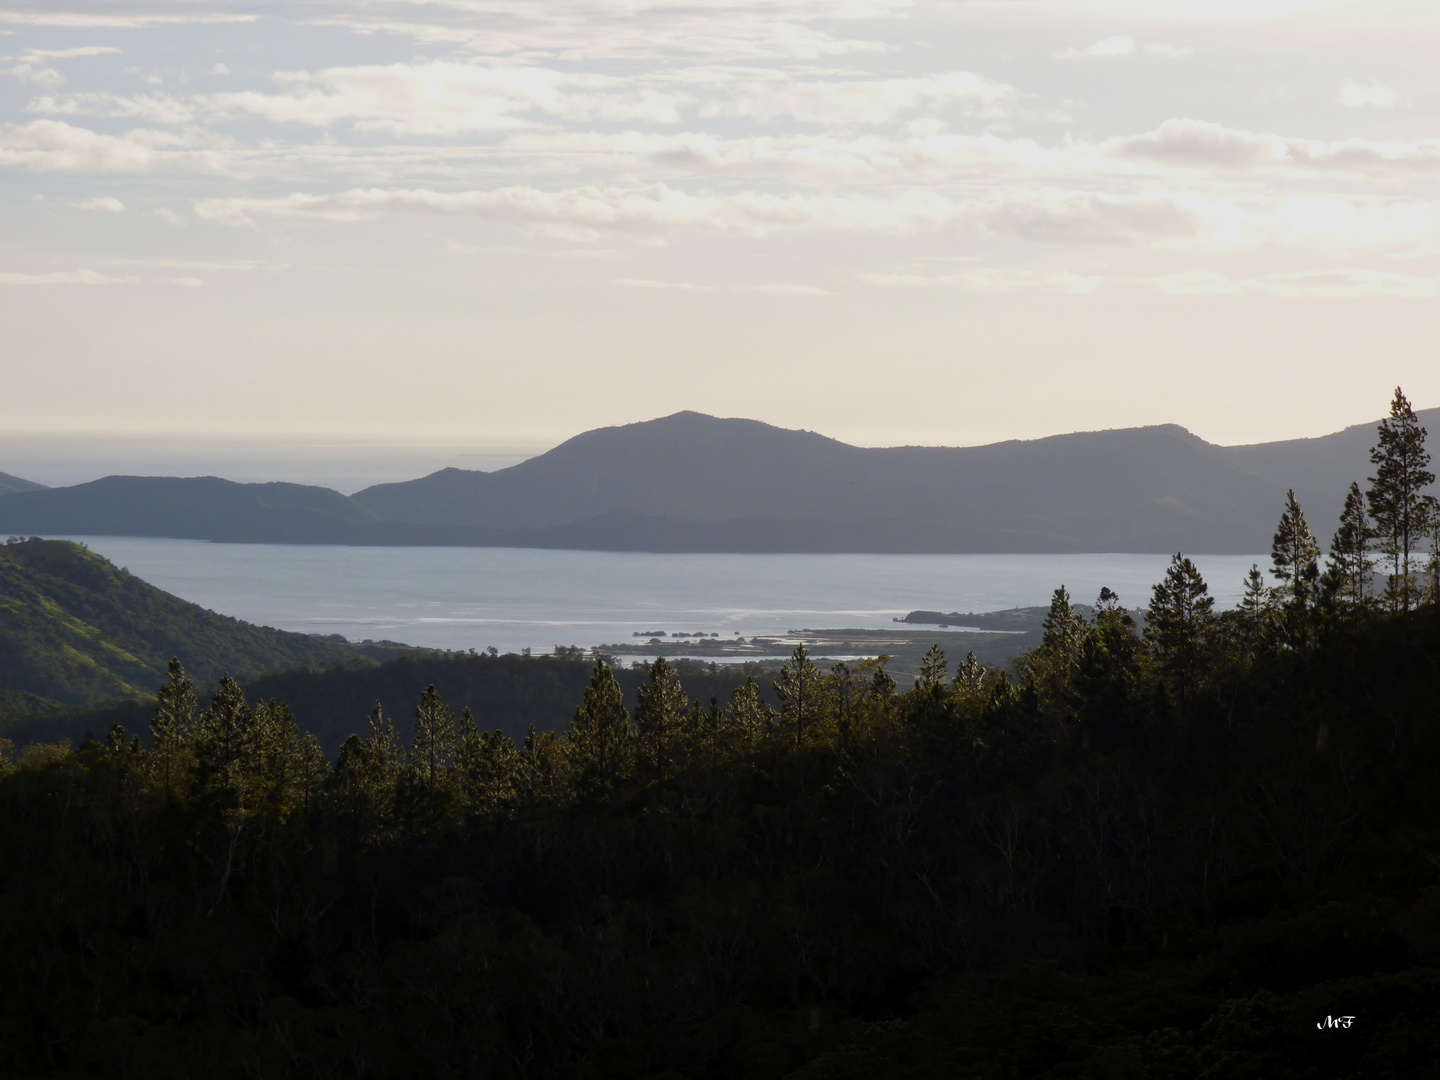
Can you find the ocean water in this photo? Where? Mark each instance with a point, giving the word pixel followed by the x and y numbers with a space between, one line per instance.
pixel 516 598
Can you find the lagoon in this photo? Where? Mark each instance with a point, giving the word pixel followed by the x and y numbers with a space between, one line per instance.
pixel 517 598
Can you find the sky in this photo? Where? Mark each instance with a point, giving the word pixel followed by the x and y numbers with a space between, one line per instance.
pixel 491 224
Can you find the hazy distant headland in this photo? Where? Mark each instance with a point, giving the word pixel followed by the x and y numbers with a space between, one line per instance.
pixel 696 483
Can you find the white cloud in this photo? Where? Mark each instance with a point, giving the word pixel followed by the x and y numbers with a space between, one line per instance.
pixel 448 98
pixel 156 108
pixel 653 211
pixel 51 145
pixel 186 282
pixel 67 54
pixel 1201 144
pixel 675 286
pixel 63 277
pixel 1119 47
pixel 818 158
pixel 108 204
pixel 995 280
pixel 656 211
pixel 1336 284
pixel 568 29
pixel 55 146
pixel 1369 93
pixel 1106 49
pixel 33 71
pixel 86 20
pixel 776 95
pixel 220 69
pixel 1086 217
pixel 781 288
pixel 239 266
pixel 628 29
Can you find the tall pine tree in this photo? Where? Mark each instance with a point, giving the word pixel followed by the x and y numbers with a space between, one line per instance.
pixel 1178 626
pixel 598 742
pixel 796 689
pixel 1295 556
pixel 1401 510
pixel 171 727
pixel 436 736
pixel 1348 574
pixel 1295 562
pixel 659 710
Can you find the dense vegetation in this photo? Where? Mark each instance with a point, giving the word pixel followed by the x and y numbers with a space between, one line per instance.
pixel 1163 852
pixel 75 629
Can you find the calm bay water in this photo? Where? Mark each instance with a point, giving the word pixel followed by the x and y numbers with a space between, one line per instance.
pixel 514 598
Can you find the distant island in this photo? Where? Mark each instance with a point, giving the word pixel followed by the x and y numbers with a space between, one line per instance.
pixel 696 483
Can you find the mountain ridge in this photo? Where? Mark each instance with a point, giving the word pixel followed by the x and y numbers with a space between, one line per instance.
pixel 693 482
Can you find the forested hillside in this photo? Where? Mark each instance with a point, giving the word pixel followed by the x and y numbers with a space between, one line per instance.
pixel 1205 847
pixel 75 629
pixel 1196 844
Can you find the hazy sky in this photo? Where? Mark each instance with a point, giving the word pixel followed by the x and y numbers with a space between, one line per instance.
pixel 505 221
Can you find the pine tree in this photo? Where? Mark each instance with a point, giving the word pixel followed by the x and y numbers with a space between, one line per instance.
pixel 536 764
pixel 1295 562
pixel 1398 505
pixel 933 670
pixel 844 693
pixel 659 707
pixel 1295 556
pixel 1257 609
pixel 796 690
pixel 172 726
pixel 384 744
pixel 969 676
pixel 365 776
pixel 1178 626
pixel 598 742
pixel 1110 672
pixel 748 716
pixel 880 696
pixel 487 763
pixel 1350 564
pixel 433 747
pixel 1049 666
pixel 279 761
pixel 220 733
pixel 1063 630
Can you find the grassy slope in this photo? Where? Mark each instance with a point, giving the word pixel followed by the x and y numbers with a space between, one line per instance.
pixel 75 630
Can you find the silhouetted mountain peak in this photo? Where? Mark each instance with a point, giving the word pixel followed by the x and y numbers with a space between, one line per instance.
pixel 692 481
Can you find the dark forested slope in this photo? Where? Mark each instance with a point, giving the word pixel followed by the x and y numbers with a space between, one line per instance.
pixel 506 693
pixel 75 629
pixel 1169 854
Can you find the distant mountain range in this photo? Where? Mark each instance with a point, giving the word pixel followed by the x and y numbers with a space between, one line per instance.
pixel 691 482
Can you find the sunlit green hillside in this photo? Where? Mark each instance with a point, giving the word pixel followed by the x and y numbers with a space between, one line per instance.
pixel 75 629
